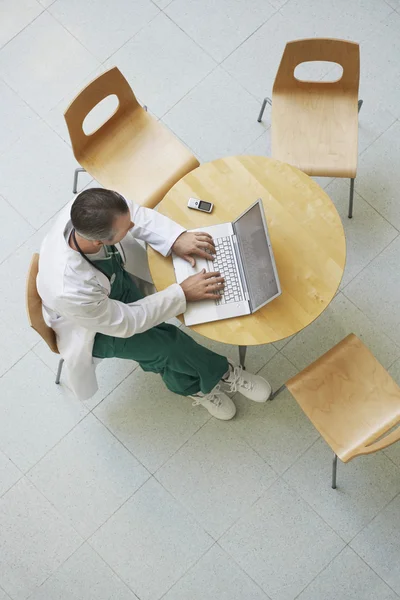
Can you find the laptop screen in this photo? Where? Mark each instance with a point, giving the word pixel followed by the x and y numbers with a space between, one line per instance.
pixel 257 257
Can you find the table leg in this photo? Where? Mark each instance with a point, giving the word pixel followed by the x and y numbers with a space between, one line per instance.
pixel 242 355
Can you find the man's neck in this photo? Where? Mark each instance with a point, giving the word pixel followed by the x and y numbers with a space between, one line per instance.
pixel 86 246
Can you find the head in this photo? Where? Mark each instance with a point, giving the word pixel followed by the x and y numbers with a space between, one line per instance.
pixel 101 216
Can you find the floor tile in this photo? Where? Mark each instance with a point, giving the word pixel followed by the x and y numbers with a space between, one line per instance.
pixel 16 16
pixel 148 419
pixel 223 477
pixel 277 430
pixel 379 67
pixel 364 487
pixel 376 291
pixel 162 3
pixel 339 319
pixel 378 178
pixel 102 27
pixel 367 233
pixel 36 414
pixel 162 64
pixel 256 356
pixel 34 540
pixel 151 534
pixel 255 63
pixel 43 62
pixel 220 27
pixel 379 544
pixel 262 145
pixel 358 19
pixel 109 372
pixel 12 347
pixel 9 474
pixel 48 166
pixel 216 575
pixel 347 578
pixel 373 120
pixel 4 596
pixel 394 4
pixel 88 476
pixel 281 530
pixel 229 128
pixel 15 230
pixel 84 576
pixel 16 118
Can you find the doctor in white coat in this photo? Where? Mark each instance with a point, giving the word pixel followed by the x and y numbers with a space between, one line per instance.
pixel 98 297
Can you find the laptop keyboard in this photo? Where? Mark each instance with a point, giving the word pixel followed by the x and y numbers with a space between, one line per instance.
pixel 224 262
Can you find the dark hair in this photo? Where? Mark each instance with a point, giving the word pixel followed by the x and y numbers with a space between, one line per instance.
pixel 94 211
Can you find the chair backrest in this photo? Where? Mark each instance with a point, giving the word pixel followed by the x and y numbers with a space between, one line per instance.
pixel 111 82
pixel 34 307
pixel 346 54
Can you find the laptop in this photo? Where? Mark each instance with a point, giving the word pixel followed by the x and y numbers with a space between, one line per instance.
pixel 244 257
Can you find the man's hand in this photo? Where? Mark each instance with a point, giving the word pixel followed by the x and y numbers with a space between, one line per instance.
pixel 202 286
pixel 190 244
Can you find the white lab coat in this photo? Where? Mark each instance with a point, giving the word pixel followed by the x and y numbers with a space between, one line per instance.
pixel 75 294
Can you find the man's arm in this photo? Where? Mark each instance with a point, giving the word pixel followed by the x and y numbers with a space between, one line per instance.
pixel 155 229
pixel 92 309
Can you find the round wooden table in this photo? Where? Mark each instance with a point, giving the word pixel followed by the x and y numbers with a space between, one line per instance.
pixel 306 233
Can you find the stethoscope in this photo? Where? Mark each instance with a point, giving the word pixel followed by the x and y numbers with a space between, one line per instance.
pixel 114 250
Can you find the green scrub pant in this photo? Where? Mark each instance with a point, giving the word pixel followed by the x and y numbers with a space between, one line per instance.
pixel 186 367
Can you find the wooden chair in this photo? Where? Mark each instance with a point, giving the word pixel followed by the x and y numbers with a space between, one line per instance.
pixel 315 123
pixel 350 399
pixel 35 315
pixel 131 152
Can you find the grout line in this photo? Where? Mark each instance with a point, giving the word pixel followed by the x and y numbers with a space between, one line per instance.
pixel 115 511
pixel 132 37
pixel 15 363
pixel 368 263
pixel 25 27
pixel 381 330
pixel 192 566
pixel 275 11
pixel 72 35
pixel 373 570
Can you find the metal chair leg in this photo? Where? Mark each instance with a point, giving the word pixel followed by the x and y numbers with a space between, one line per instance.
pixel 60 366
pixel 264 104
pixel 334 471
pixel 350 215
pixel 278 391
pixel 242 355
pixel 75 184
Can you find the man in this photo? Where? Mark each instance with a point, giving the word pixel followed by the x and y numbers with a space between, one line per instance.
pixel 93 280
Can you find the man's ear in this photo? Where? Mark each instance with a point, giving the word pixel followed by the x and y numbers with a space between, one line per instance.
pixel 98 243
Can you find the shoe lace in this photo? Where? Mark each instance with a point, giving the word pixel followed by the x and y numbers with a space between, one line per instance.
pixel 214 397
pixel 238 379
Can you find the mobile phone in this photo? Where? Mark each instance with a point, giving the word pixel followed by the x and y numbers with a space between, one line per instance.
pixel 200 205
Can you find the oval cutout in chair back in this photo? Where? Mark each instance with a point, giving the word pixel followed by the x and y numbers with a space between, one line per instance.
pixel 317 70
pixel 100 114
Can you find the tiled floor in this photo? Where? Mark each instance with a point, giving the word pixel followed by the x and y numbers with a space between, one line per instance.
pixel 136 494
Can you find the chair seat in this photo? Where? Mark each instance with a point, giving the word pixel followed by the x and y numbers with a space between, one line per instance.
pixel 316 131
pixel 350 399
pixel 139 157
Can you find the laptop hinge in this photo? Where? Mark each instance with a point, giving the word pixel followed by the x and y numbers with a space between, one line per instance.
pixel 241 270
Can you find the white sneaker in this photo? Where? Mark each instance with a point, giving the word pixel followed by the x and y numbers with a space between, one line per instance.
pixel 251 386
pixel 218 404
